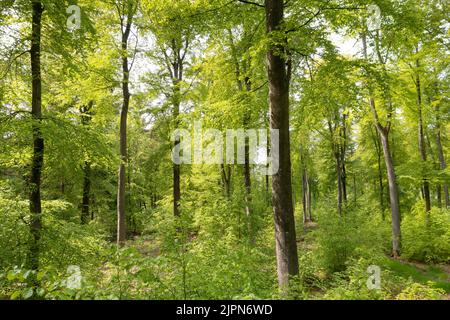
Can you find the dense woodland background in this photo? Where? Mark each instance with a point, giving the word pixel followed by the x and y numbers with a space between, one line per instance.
pixel 359 96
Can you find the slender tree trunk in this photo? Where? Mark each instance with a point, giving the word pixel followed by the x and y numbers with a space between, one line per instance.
pixel 176 102
pixel 336 149
pixel 393 195
pixel 308 197
pixel 442 164
pixel 225 171
pixel 304 195
pixel 339 183
pixel 392 180
pixel 85 204
pixel 286 246
pixel 376 141
pixel 86 193
pixel 422 146
pixel 343 147
pixel 38 140
pixel 247 174
pixel 121 202
pixel 246 120
pixel 439 195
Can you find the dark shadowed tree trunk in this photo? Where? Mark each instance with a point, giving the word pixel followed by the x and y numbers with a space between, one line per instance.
pixel 335 146
pixel 86 113
pixel 286 246
pixel 442 163
pixel 422 146
pixel 38 141
pixel 86 193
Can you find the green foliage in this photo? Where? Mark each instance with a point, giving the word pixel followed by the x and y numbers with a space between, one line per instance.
pixel 341 238
pixel 352 284
pixel 426 236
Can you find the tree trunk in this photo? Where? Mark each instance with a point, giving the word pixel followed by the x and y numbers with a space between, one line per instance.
pixel 176 102
pixel 339 183
pixel 85 120
pixel 304 195
pixel 343 147
pixel 376 141
pixel 121 219
pixel 247 175
pixel 86 193
pixel 286 246
pixel 38 140
pixel 225 171
pixel 422 147
pixel 246 120
pixel 308 197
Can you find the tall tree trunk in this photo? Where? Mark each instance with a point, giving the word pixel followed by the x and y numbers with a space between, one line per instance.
pixel 38 140
pixel 177 77
pixel 336 148
pixel 339 183
pixel 86 193
pixel 392 180
pixel 121 219
pixel 376 141
pixel 343 148
pixel 393 194
pixel 247 174
pixel 246 120
pixel 86 113
pixel 304 195
pixel 308 196
pixel 225 171
pixel 442 162
pixel 286 246
pixel 422 146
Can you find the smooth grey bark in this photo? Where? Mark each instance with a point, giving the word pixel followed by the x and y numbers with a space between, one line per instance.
pixel 278 76
pixel 422 146
pixel 38 140
pixel 121 204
